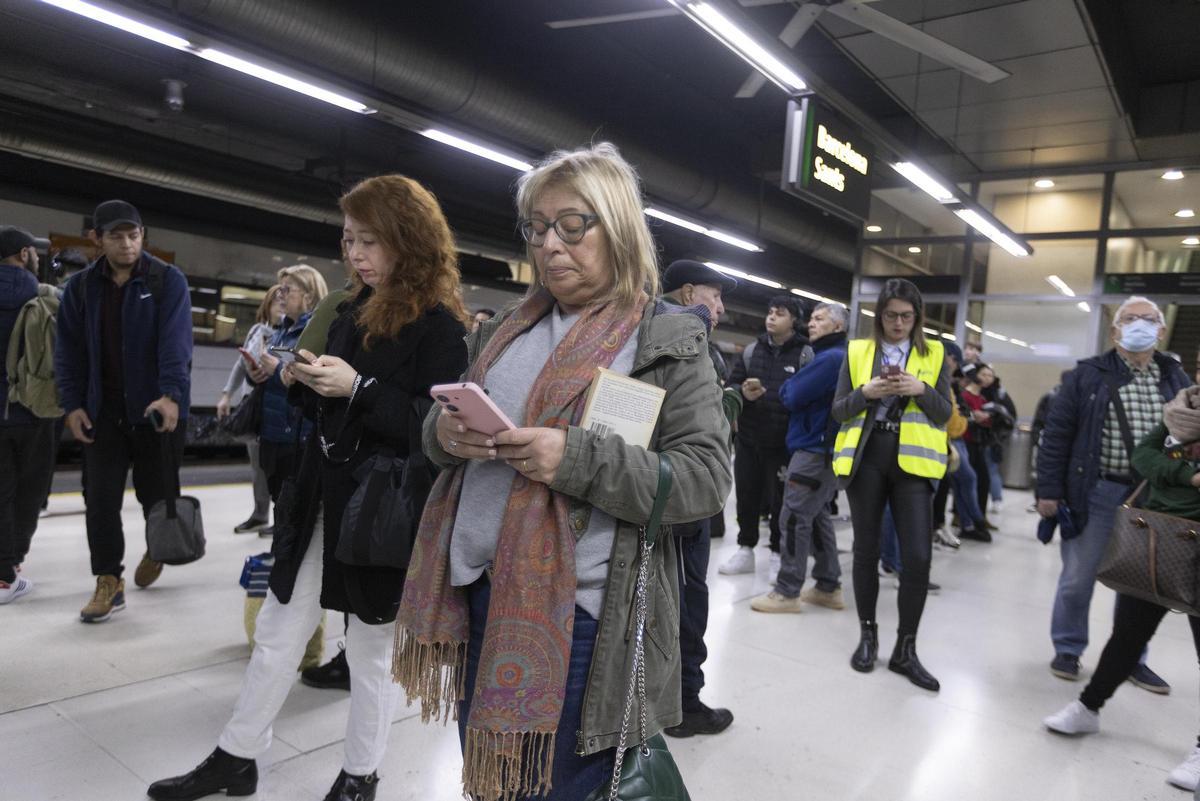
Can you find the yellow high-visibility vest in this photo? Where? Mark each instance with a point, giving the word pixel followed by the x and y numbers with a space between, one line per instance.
pixel 923 445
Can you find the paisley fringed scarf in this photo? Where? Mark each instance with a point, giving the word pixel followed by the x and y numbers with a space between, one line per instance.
pixel 518 695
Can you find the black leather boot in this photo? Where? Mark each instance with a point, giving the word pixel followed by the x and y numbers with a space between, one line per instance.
pixel 220 771
pixel 904 661
pixel 353 788
pixel 863 658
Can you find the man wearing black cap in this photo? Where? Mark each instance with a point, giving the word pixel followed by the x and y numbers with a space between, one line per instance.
pixel 761 443
pixel 692 284
pixel 123 366
pixel 26 441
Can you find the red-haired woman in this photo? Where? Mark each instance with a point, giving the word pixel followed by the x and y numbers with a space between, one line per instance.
pixel 400 333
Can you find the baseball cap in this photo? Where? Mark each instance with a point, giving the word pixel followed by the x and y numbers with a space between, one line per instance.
pixel 14 240
pixel 953 350
pixel 686 271
pixel 112 213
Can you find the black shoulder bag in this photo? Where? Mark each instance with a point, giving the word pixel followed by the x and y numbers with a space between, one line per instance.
pixel 1114 393
pixel 174 527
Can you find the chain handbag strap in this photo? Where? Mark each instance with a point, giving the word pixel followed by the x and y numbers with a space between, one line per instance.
pixel 648 537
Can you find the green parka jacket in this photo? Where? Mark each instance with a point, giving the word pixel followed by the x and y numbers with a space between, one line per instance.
pixel 621 480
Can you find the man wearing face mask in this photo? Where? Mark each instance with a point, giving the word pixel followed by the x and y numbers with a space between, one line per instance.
pixel 1106 404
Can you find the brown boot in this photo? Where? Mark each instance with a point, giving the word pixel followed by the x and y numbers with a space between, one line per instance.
pixel 108 598
pixel 147 572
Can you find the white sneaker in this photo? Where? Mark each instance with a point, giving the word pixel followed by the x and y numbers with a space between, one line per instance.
pixel 742 561
pixel 995 508
pixel 773 568
pixel 946 538
pixel 11 592
pixel 1074 718
pixel 1187 773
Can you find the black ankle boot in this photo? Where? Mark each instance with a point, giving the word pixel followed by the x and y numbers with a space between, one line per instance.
pixel 353 788
pixel 904 661
pixel 863 658
pixel 220 771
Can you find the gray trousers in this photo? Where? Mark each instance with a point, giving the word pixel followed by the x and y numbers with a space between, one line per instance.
pixel 804 525
pixel 262 495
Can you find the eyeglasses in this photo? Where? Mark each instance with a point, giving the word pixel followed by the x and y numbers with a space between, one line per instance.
pixel 1126 319
pixel 570 228
pixel 283 291
pixel 892 316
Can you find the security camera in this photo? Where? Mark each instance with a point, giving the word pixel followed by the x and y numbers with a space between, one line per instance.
pixel 173 93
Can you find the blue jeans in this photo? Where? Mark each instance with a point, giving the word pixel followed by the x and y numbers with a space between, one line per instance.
pixel 962 484
pixel 889 543
pixel 573 776
pixel 693 543
pixel 1081 558
pixel 995 482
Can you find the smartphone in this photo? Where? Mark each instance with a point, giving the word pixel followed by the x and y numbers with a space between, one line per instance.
pixel 248 357
pixel 891 371
pixel 156 419
pixel 288 355
pixel 470 404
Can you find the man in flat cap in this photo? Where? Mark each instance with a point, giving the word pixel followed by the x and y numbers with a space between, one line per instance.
pixel 123 365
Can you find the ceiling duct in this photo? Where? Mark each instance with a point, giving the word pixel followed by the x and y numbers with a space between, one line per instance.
pixel 407 67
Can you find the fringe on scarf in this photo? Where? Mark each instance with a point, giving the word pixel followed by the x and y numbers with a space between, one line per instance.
pixel 506 766
pixel 434 672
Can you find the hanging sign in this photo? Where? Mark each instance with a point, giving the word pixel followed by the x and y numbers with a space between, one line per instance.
pixel 826 160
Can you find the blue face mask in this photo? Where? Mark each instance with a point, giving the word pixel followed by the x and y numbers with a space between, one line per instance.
pixel 1139 336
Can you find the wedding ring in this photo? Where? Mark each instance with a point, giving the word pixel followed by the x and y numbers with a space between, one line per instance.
pixel 453 445
pixel 525 466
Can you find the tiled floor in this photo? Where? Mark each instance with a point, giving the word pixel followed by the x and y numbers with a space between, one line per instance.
pixel 94 713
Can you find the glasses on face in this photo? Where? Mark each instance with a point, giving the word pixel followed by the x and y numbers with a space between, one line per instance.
pixel 893 316
pixel 570 228
pixel 1126 319
pixel 284 291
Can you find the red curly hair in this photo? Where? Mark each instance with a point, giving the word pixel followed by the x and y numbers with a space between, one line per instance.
pixel 410 225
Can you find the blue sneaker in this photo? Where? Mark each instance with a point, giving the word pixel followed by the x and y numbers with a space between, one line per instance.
pixel 1150 681
pixel 1065 666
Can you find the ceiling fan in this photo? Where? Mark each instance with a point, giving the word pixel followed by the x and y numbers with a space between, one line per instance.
pixel 856 12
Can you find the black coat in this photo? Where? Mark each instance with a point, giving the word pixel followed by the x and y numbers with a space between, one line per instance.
pixel 426 352
pixel 764 422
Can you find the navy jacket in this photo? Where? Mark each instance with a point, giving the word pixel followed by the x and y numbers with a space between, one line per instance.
pixel 157 342
pixel 808 395
pixel 279 417
pixel 764 422
pixel 1068 463
pixel 17 287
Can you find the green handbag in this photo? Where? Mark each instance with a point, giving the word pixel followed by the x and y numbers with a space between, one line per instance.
pixel 646 772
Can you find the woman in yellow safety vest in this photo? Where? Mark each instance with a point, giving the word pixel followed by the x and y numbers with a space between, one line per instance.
pixel 893 401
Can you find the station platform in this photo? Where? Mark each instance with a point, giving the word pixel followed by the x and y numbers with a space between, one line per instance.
pixel 95 713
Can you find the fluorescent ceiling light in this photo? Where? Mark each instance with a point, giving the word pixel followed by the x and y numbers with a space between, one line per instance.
pixel 1083 306
pixel 1043 183
pixel 985 227
pixel 874 229
pixel 1191 241
pixel 1019 342
pixel 1185 213
pixel 124 23
pixel 742 43
pixel 914 249
pixel 804 293
pixel 929 331
pixel 279 79
pixel 973 327
pixel 867 312
pixel 720 236
pixel 1060 285
pixel 949 336
pixel 1172 175
pixel 476 149
pixel 925 181
pixel 994 335
pixel 744 275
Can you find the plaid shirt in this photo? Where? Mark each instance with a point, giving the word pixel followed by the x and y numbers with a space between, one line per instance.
pixel 1143 406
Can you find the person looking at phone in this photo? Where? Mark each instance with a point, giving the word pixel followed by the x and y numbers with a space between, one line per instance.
pixel 400 332
pixel 246 371
pixel 893 401
pixel 123 354
pixel 528 550
pixel 301 288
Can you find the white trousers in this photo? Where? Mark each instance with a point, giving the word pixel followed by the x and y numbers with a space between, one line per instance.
pixel 280 638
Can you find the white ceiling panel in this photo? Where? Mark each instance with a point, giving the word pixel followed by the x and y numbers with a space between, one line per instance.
pixel 1055 156
pixel 1094 132
pixel 1066 108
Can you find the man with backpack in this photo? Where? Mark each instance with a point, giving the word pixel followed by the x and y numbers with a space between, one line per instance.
pixel 123 366
pixel 26 437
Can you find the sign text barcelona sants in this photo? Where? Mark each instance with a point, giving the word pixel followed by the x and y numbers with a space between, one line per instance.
pixel 826 160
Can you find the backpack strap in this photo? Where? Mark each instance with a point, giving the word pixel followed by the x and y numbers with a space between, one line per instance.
pixel 156 279
pixel 748 354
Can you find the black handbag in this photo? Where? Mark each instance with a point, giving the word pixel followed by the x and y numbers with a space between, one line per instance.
pixel 646 772
pixel 246 418
pixel 380 522
pixel 174 526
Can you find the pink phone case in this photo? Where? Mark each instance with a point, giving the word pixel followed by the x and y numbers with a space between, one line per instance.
pixel 472 406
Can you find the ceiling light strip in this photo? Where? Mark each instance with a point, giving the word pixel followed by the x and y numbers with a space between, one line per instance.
pixel 264 73
pixel 106 17
pixel 745 44
pixel 1060 285
pixel 698 228
pixel 984 226
pixel 744 275
pixel 924 181
pixel 474 148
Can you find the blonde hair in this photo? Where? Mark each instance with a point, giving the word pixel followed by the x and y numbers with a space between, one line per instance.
pixel 609 186
pixel 264 309
pixel 309 280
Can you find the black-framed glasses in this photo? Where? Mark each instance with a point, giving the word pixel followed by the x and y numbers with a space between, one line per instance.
pixel 893 316
pixel 1126 319
pixel 570 228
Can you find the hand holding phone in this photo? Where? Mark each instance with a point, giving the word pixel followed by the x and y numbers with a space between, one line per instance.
pixel 891 371
pixel 289 355
pixel 468 403
pixel 248 357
